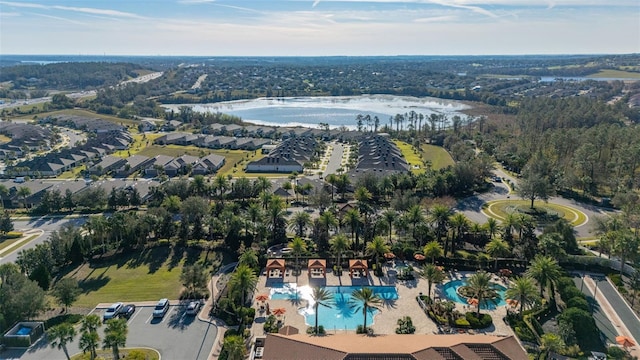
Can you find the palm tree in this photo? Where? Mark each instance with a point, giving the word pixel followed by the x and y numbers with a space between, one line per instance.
pixel 492 227
pixel 432 250
pixel 433 275
pixel 439 216
pixel 414 217
pixel 298 247
pixel 390 217
pixel 497 248
pixel 249 258
pixel 242 281
pixel 328 221
pixel 377 248
pixel 339 244
pixel 115 336
pixel 3 192
pixel 262 184
pixel 366 299
pixel 60 335
pixel 481 288
pixel 234 347
pixel 460 223
pixel 89 343
pixel 24 193
pixel 300 221
pixel 552 343
pixel 198 185
pixel 352 218
pixel 320 297
pixel 332 179
pixel 221 184
pixel 524 290
pixel 90 323
pixel 546 271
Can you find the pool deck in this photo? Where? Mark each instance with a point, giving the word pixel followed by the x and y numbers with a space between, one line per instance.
pixel 385 322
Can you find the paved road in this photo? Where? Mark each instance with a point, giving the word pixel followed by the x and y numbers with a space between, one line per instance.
pixel 627 316
pixel 472 205
pixel 47 225
pixel 335 161
pixel 176 336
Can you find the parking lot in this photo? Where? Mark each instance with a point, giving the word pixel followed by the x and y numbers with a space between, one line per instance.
pixel 176 336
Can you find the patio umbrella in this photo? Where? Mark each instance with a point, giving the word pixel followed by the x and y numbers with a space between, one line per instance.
pixel 262 297
pixel 419 257
pixel 625 341
pixel 389 255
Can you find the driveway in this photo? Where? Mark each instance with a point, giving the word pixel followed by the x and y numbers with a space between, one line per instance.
pixel 176 336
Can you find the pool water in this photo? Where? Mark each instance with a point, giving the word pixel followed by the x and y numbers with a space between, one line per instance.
pixel 341 315
pixel 450 292
pixel 24 331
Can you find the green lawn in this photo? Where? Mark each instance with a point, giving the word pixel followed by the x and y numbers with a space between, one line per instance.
pixel 6 243
pixel 438 156
pixel 141 276
pixel 500 208
pixel 412 157
pixel 610 73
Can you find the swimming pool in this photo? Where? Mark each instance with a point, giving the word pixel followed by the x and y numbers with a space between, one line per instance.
pixel 341 315
pixel 24 331
pixel 450 292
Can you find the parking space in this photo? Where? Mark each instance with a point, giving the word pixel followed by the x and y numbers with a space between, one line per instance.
pixel 176 336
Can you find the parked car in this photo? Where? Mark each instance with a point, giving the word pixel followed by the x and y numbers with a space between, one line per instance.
pixel 127 311
pixel 161 308
pixel 193 308
pixel 112 311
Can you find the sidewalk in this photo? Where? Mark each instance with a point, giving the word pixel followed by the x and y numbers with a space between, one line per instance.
pixel 611 314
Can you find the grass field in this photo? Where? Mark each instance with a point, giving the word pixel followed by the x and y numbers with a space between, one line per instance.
pixel 90 114
pixel 412 157
pixel 142 276
pixel 140 142
pixel 610 73
pixel 438 156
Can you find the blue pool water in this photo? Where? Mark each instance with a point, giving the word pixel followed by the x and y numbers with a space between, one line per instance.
pixel 341 315
pixel 24 331
pixel 450 288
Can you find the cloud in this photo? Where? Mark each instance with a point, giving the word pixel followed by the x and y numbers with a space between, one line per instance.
pixel 84 10
pixel 436 19
pixel 195 1
pixel 59 18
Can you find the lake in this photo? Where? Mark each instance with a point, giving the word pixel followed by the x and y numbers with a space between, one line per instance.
pixel 333 110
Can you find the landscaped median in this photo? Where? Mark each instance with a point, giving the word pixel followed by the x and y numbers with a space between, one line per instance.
pixel 126 354
pixel 500 209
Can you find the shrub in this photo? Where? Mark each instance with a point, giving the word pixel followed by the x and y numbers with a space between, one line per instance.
pixel 616 279
pixel 405 326
pixel 462 323
pixel 13 235
pixel 478 322
pixel 578 302
pixel 66 318
pixel 614 352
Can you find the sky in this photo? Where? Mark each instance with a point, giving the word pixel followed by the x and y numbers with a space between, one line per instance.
pixel 319 27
